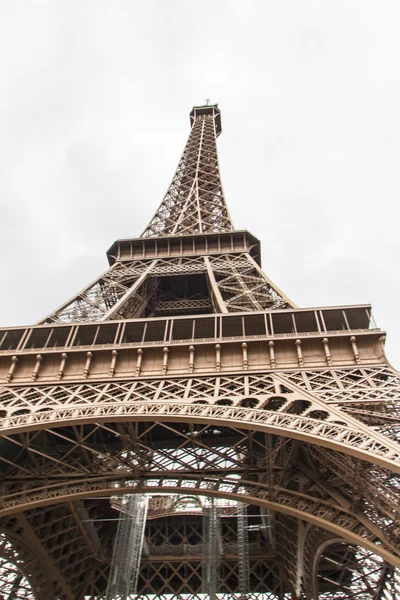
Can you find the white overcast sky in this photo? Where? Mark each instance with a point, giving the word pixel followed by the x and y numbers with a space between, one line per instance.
pixel 94 105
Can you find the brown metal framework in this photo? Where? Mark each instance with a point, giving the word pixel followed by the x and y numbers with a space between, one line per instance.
pixel 184 371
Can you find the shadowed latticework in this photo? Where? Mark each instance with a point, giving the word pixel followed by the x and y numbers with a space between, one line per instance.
pixel 262 438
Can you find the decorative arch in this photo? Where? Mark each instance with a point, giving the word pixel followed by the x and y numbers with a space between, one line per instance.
pixel 347 439
pixel 337 521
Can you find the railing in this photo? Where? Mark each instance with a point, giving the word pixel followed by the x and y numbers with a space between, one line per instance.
pixel 190 329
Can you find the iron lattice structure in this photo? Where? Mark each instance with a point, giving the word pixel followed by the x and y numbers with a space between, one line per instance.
pixel 183 373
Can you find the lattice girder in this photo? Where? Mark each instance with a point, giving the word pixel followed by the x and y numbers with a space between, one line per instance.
pixel 99 299
pixel 72 477
pixel 294 412
pixel 125 289
pixel 261 389
pixel 194 202
pixel 183 369
pixel 31 572
pixel 301 506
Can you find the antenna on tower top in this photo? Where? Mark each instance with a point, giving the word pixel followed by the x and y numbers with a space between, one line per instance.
pixel 207 101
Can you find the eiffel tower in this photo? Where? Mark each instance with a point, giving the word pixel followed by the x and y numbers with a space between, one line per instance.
pixel 262 436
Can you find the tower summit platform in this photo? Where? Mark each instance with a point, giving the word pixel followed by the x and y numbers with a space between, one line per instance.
pixel 211 110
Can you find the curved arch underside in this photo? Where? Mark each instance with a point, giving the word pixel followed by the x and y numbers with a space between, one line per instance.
pixel 220 458
pixel 343 571
pixel 291 414
pixel 23 572
pixel 293 504
pixel 266 442
pixel 331 434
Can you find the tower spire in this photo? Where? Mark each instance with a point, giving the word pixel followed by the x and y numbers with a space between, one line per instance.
pixel 194 202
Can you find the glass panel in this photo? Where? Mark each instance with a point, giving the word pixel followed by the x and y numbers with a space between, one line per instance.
pixel 305 321
pixel 232 327
pixel 358 318
pixel 204 328
pixel 59 337
pixel 254 325
pixel 133 333
pixel 182 329
pixel 38 338
pixel 106 334
pixel 12 339
pixel 85 335
pixel 334 320
pixel 283 323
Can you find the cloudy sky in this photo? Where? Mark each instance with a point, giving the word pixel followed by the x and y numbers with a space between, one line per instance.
pixel 94 105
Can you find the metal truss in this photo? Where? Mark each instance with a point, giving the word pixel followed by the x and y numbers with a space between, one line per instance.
pixel 236 283
pixel 357 574
pixel 25 569
pixel 194 202
pixel 359 497
pixel 136 465
pixel 342 571
pixel 192 466
pixel 100 298
pixel 371 395
pixel 72 543
pixel 173 561
pixel 13 581
pixel 243 285
pixel 273 402
pixel 184 376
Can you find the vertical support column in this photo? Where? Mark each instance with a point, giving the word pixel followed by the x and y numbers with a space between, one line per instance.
pixel 213 550
pixel 139 361
pixel 89 356
pixel 382 341
pixel 128 546
pixel 243 551
pixel 245 356
pixel 165 360
pixel 328 356
pixel 64 358
pixel 39 359
pixel 11 370
pixel 191 358
pixel 114 356
pixel 353 342
pixel 299 350
pixel 290 553
pixel 218 357
pixel 271 347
